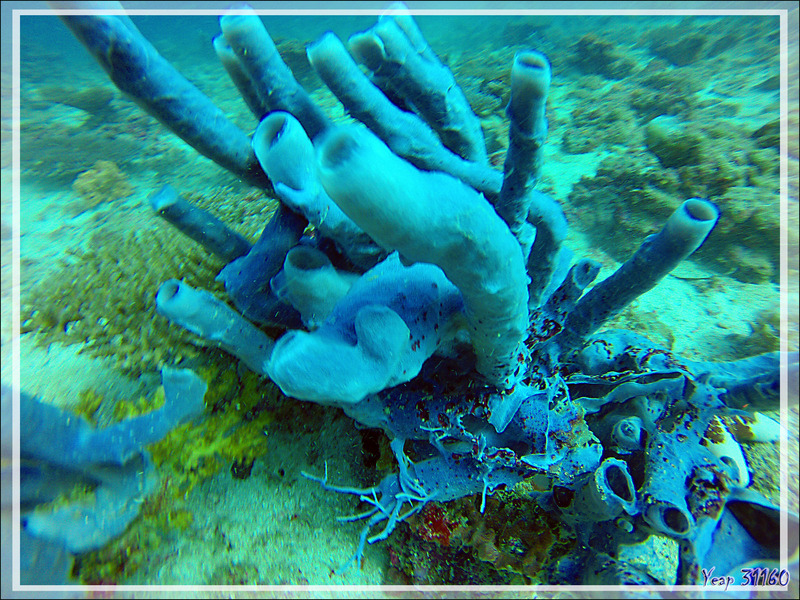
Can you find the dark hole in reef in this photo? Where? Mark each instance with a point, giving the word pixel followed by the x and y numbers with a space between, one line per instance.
pixel 637 463
pixel 590 390
pixel 306 259
pixel 241 469
pixel 675 520
pixel 474 425
pixel 518 448
pixel 625 362
pixel 653 377
pixel 761 523
pixel 562 497
pixel 75 571
pixel 618 483
pixel 371 447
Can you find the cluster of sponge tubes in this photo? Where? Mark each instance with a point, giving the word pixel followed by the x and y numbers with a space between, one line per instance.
pixel 419 245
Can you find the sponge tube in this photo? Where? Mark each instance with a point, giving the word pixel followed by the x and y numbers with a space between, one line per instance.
pixel 404 132
pixel 414 78
pixel 274 83
pixel 247 278
pixel 287 156
pixel 605 494
pixel 341 372
pixel 546 216
pixel 378 335
pixel 238 75
pixel 138 70
pixel 432 217
pixel 684 232
pixel 68 440
pixel 312 285
pixel 530 83
pixel 201 226
pixel 205 315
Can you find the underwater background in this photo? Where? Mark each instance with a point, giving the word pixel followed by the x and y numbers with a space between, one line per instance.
pixel 231 507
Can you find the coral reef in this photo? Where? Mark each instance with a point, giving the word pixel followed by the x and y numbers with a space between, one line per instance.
pixel 597 56
pixel 535 396
pixel 104 182
pixel 702 148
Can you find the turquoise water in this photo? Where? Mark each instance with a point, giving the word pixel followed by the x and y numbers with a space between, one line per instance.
pixel 644 112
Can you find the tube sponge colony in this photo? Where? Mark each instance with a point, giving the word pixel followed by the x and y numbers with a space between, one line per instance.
pixel 62 449
pixel 432 217
pixel 434 299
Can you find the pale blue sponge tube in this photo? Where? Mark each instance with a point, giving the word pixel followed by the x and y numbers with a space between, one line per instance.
pixel 435 218
pixel 404 132
pixel 377 336
pixel 61 449
pixel 203 227
pixel 413 77
pixel 684 232
pixel 238 74
pixel 273 82
pixel 246 277
pixel 137 69
pixel 287 155
pixel 309 282
pixel 530 83
pixel 205 315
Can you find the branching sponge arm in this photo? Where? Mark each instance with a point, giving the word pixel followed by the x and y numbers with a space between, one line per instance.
pixel 287 156
pixel 684 232
pixel 138 70
pixel 404 132
pixel 273 82
pixel 530 84
pixel 205 315
pixel 414 77
pixel 378 335
pixel 200 225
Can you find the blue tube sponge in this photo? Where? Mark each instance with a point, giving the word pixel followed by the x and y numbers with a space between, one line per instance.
pixel 201 226
pixel 404 132
pixel 273 81
pixel 435 218
pixel 238 74
pixel 311 284
pixel 413 77
pixel 137 69
pixel 684 232
pixel 530 83
pixel 68 450
pixel 247 278
pixel 205 315
pixel 57 437
pixel 606 493
pixel 378 335
pixel 287 156
pixel 550 224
